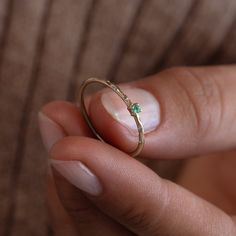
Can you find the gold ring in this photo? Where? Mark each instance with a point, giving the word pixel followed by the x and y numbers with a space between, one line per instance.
pixel 133 108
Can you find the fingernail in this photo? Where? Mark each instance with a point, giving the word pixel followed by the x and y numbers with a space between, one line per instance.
pixel 79 175
pixel 50 131
pixel 149 116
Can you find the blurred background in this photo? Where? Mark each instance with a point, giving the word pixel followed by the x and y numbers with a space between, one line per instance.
pixel 48 47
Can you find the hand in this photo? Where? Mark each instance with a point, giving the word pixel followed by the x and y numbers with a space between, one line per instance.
pixel 186 112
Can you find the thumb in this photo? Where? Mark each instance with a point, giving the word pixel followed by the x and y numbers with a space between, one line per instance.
pixel 185 112
pixel 134 195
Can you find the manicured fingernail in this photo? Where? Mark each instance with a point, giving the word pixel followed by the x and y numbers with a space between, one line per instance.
pixel 50 131
pixel 150 114
pixel 79 175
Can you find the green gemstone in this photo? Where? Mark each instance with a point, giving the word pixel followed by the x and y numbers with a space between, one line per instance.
pixel 136 108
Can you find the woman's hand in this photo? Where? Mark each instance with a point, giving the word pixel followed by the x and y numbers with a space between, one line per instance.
pixel 186 112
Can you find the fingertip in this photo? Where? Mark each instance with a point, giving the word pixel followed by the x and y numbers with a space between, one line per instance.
pixel 50 109
pixel 50 131
pixel 109 128
pixel 76 147
pixel 114 123
pixel 68 116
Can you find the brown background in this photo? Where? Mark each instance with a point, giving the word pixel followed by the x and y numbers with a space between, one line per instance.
pixel 47 47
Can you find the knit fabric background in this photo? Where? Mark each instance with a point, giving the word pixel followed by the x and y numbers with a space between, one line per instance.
pixel 48 47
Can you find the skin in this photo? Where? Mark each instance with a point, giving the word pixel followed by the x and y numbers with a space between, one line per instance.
pixel 135 200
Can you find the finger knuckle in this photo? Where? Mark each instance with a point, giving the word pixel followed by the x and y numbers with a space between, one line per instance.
pixel 148 218
pixel 73 201
pixel 203 100
pixel 136 218
pixel 208 99
pixel 82 214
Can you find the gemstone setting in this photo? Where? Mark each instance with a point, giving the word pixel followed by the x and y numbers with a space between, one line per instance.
pixel 135 108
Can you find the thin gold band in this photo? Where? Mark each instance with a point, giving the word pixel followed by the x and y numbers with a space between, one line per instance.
pixel 133 109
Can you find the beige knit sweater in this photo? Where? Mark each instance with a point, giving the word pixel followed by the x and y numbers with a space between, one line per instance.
pixel 47 47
